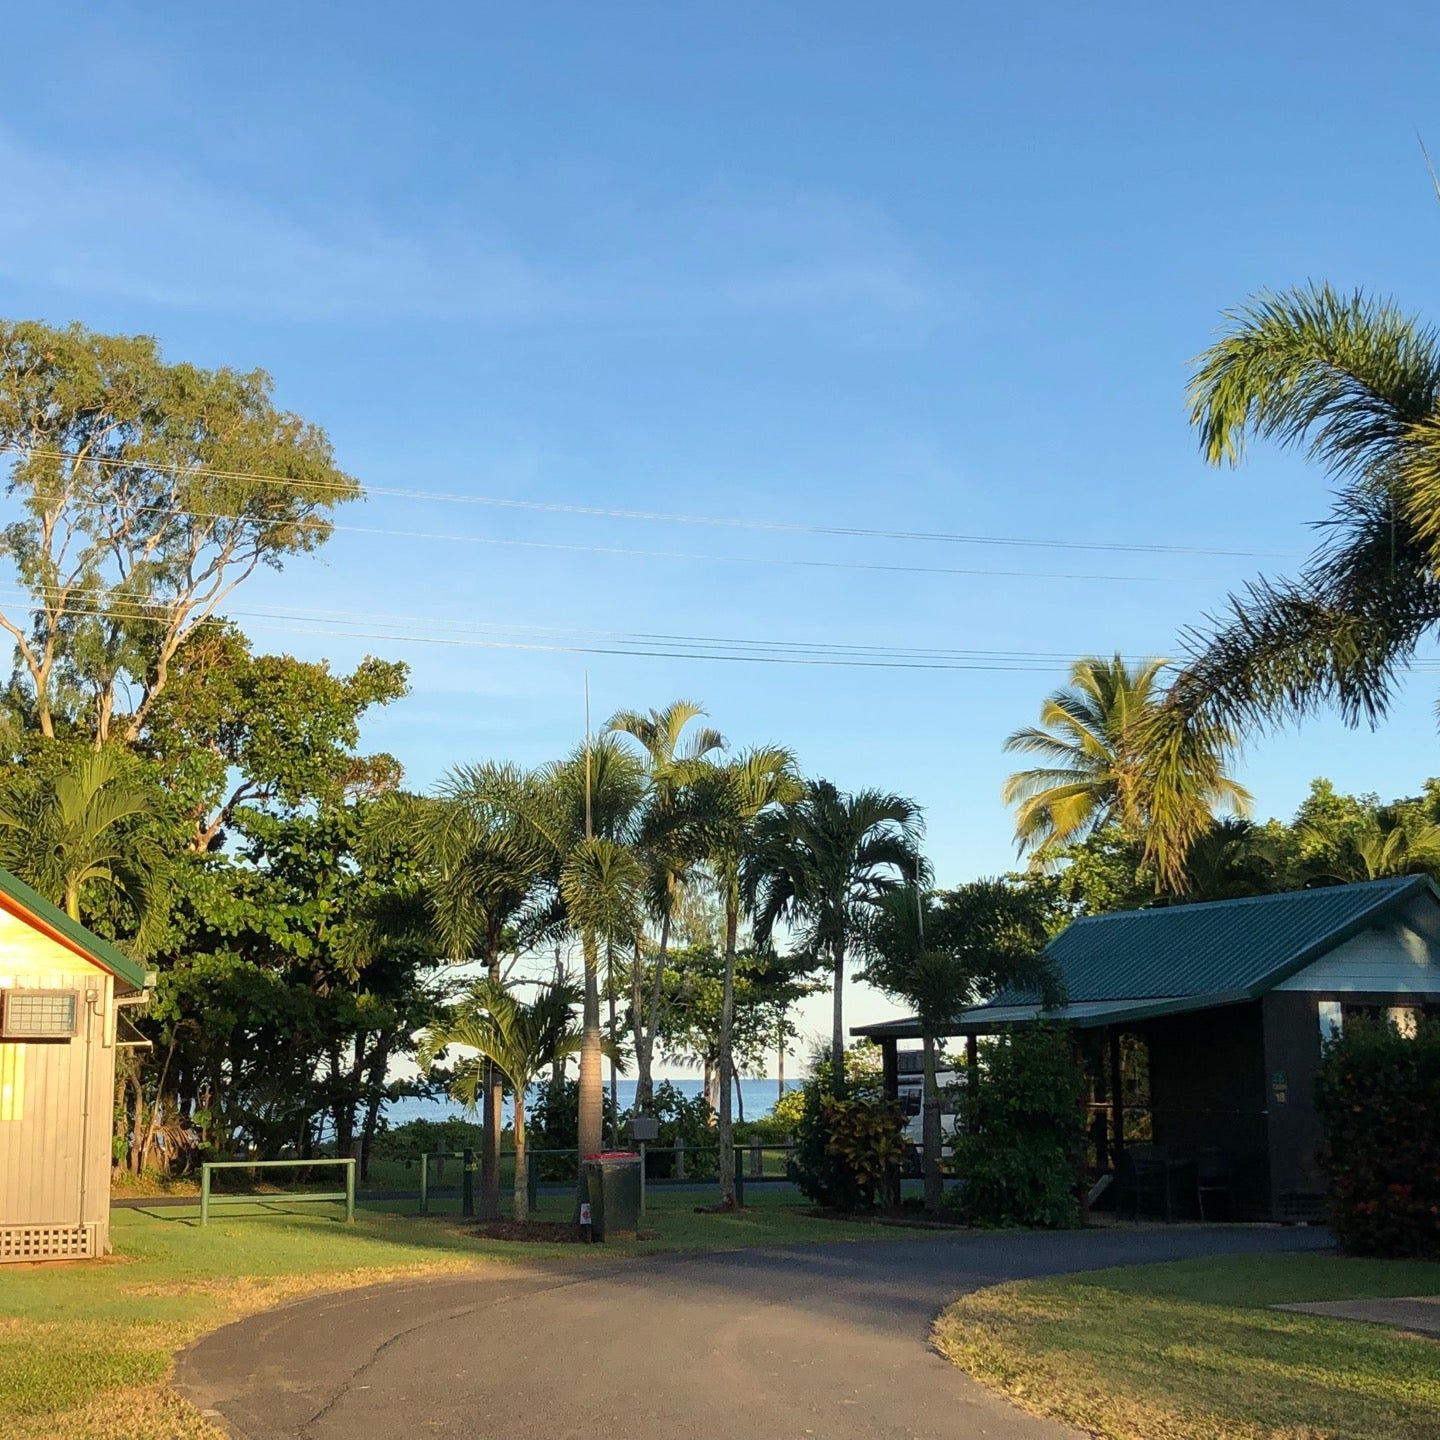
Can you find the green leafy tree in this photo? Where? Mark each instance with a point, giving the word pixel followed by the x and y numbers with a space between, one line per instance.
pixel 1107 761
pixel 820 865
pixel 234 729
pixel 521 1038
pixel 149 491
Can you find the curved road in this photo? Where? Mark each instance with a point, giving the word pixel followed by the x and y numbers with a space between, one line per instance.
pixel 829 1341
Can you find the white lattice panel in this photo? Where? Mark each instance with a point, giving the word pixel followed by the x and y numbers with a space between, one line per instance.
pixel 46 1242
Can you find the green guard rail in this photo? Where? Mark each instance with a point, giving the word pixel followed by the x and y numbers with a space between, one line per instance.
pixel 292 1197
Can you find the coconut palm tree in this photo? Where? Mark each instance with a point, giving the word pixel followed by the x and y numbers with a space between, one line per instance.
pixel 671 845
pixel 1354 383
pixel 820 865
pixel 516 1037
pixel 1387 843
pixel 732 802
pixel 1106 759
pixel 74 834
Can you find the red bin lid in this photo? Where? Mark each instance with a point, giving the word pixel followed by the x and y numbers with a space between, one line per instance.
pixel 613 1155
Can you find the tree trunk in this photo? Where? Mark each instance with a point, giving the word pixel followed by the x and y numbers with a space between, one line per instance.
pixel 591 1118
pixel 727 1059
pixel 492 1113
pixel 930 1132
pixel 614 1058
pixel 837 1028
pixel 522 1160
pixel 637 1025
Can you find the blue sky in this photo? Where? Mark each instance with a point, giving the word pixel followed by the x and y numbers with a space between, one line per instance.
pixel 931 267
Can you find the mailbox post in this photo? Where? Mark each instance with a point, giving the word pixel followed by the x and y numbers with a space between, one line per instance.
pixel 643 1129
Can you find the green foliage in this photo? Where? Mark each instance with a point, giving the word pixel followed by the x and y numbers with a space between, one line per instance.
pixel 1021 1133
pixel 688 1120
pixel 788 1110
pixel 1353 384
pixel 845 1145
pixel 554 1125
pixel 1378 1094
pixel 233 728
pixel 412 1139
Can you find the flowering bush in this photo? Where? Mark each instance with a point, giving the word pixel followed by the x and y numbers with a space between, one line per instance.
pixel 1378 1094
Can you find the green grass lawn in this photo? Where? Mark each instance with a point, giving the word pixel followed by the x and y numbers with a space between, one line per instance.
pixel 1192 1351
pixel 85 1349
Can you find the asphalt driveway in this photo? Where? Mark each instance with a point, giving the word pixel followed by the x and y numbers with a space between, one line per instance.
pixel 829 1341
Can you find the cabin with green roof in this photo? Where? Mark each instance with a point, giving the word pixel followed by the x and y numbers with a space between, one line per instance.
pixel 1202 1026
pixel 61 992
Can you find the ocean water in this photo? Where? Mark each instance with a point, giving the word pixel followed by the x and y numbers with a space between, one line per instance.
pixel 758 1097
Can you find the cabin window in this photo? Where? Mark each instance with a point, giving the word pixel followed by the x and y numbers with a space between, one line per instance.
pixel 39 1014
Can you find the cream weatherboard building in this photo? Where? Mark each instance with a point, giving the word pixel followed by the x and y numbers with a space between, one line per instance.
pixel 61 990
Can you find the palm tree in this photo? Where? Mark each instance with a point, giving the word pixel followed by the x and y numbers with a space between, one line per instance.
pixel 1107 760
pixel 667 840
pixel 583 812
pixel 517 1038
pixel 75 833
pixel 1355 384
pixel 488 894
pixel 942 959
pixel 821 864
pixel 734 799
pixel 1386 844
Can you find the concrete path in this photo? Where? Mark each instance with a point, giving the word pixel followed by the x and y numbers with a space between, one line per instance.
pixel 1420 1313
pixel 829 1341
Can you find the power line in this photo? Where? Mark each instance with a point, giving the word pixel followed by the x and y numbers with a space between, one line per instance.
pixel 658 516
pixel 589 641
pixel 390 533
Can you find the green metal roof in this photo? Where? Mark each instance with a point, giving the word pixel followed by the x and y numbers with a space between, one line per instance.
pixel 1135 964
pixel 102 952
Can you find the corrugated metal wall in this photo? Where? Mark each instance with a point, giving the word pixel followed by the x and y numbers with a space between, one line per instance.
pixel 55 1157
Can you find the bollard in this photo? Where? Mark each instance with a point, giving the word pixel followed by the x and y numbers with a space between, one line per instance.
pixel 467 1183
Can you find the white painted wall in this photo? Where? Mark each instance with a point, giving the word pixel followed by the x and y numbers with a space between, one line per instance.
pixel 1402 957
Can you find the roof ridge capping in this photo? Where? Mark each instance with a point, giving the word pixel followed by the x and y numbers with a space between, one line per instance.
pixel 1396 883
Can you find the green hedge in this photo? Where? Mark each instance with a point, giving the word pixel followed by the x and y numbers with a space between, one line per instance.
pixel 1378 1095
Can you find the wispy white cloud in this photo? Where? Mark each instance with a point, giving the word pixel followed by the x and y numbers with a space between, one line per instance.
pixel 135 232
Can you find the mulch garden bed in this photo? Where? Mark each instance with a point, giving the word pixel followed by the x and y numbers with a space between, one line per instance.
pixel 556 1231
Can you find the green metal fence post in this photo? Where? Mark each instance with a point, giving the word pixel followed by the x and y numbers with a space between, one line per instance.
pixel 467 1184
pixel 350 1192
pixel 532 1186
pixel 642 1177
pixel 739 1184
pixel 204 1194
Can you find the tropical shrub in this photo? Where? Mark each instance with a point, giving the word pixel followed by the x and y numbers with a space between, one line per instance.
pixel 1378 1094
pixel 845 1145
pixel 1021 1134
pixel 409 1141
pixel 553 1124
pixel 687 1119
